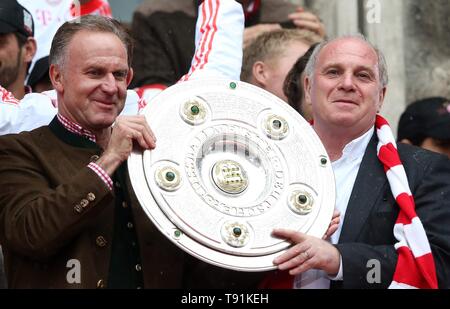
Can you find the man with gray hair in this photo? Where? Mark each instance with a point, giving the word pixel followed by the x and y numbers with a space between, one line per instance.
pixel 394 201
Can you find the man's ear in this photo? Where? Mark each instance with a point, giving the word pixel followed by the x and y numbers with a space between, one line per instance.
pixel 260 74
pixel 30 48
pixel 307 89
pixel 130 76
pixel 56 77
pixel 382 94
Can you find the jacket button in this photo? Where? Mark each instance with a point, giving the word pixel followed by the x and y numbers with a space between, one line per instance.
pixel 78 208
pixel 84 202
pixel 129 225
pixel 124 204
pixel 91 196
pixel 101 241
pixel 100 284
pixel 94 158
pixel 138 267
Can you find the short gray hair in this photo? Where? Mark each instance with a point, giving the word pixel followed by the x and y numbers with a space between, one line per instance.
pixel 92 23
pixel 382 66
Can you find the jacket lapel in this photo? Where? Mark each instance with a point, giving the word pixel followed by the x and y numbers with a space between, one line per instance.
pixel 370 180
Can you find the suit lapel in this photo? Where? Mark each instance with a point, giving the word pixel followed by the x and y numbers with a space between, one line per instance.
pixel 366 190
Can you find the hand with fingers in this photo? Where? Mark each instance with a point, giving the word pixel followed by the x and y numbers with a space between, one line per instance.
pixel 127 130
pixel 308 252
pixel 334 225
pixel 308 21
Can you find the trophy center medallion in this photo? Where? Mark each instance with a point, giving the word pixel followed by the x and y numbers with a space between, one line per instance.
pixel 229 176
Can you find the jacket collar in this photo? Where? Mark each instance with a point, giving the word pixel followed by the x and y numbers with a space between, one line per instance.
pixel 370 180
pixel 70 138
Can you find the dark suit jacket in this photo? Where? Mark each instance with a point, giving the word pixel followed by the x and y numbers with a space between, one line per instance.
pixel 367 231
pixel 43 177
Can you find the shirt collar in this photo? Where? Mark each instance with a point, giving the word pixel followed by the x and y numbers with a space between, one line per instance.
pixel 357 147
pixel 76 128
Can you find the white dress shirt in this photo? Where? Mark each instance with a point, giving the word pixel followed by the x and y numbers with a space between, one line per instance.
pixel 345 171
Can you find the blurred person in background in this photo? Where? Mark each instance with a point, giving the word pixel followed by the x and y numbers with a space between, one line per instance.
pixel 17 46
pixel 268 59
pixel 293 86
pixel 426 123
pixel 164 32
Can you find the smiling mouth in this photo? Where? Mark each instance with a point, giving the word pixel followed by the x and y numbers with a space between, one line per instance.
pixel 345 101
pixel 104 103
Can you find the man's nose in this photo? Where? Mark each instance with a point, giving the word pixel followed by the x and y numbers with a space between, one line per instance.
pixel 109 83
pixel 347 82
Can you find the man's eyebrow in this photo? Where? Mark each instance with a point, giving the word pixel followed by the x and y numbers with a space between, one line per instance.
pixel 331 65
pixel 367 67
pixel 93 67
pixel 97 66
pixel 358 67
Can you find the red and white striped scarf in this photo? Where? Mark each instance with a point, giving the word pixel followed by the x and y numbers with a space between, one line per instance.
pixel 415 264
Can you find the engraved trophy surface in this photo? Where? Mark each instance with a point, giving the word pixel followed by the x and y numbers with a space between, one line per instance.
pixel 232 163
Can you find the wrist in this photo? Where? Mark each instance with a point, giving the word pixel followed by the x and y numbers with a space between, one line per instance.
pixel 335 262
pixel 109 162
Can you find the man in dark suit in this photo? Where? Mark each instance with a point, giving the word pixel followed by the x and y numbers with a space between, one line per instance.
pixel 346 82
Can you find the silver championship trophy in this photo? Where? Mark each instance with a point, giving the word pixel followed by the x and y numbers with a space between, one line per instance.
pixel 232 163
